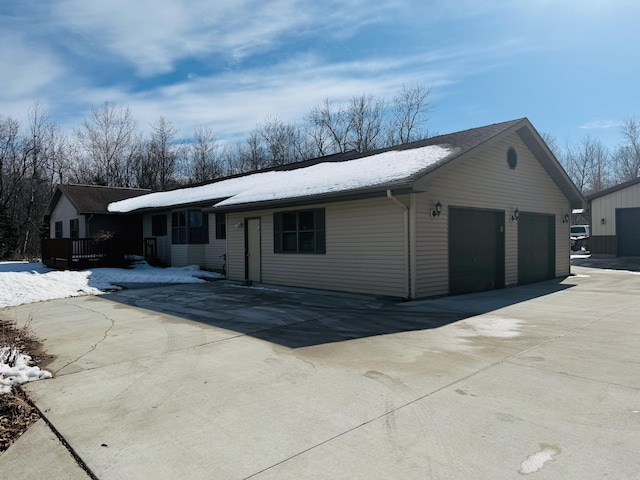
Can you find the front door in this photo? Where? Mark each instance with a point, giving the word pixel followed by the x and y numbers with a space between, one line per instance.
pixel 253 270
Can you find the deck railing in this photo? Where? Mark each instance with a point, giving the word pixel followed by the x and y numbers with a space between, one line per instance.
pixel 78 253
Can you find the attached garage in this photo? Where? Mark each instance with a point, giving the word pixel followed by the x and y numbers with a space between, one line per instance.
pixel 476 250
pixel 536 247
pixel 428 218
pixel 628 227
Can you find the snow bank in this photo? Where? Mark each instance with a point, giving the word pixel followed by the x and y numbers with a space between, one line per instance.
pixel 23 282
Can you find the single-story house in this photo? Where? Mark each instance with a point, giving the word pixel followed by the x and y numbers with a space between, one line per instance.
pixel 615 220
pixel 80 212
pixel 469 211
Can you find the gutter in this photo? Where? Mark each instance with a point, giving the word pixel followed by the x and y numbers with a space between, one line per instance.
pixel 407 261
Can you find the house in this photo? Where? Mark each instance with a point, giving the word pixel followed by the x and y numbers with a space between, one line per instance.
pixel 474 210
pixel 80 212
pixel 615 220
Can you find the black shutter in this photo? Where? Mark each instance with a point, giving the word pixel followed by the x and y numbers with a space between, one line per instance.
pixel 277 232
pixel 321 246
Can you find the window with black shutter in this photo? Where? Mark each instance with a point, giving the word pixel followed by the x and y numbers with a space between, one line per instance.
pixel 221 226
pixel 74 228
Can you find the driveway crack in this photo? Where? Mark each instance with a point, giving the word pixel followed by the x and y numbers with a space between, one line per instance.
pixel 95 345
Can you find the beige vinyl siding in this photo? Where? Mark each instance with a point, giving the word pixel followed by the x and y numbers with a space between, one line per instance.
pixel 605 207
pixel 365 250
pixel 65 211
pixel 485 181
pixel 216 248
pixel 163 243
pixel 183 255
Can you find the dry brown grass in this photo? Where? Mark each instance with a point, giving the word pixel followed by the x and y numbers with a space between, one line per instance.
pixel 16 412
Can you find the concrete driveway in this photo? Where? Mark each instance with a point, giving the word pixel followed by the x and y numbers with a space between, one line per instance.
pixel 217 381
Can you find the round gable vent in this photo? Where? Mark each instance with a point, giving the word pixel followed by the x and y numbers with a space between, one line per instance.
pixel 512 158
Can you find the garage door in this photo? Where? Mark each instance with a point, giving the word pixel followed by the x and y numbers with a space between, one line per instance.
pixel 628 232
pixel 476 250
pixel 536 247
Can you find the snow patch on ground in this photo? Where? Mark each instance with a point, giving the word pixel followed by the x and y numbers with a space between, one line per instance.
pixel 490 326
pixel 15 369
pixel 612 270
pixel 535 462
pixel 24 282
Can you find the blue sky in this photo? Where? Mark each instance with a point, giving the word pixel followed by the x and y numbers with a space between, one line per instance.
pixel 570 66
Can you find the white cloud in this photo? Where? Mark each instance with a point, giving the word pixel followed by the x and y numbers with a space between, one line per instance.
pixel 601 124
pixel 73 39
pixel 155 34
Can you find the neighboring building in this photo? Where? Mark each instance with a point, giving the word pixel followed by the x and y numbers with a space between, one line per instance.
pixel 80 211
pixel 474 210
pixel 615 220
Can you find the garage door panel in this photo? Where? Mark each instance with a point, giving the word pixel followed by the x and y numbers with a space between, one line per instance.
pixel 628 231
pixel 476 250
pixel 536 247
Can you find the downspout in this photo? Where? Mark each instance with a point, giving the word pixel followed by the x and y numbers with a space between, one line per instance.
pixel 405 214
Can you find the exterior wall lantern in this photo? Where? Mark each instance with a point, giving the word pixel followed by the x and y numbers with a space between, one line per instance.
pixel 516 215
pixel 566 218
pixel 602 221
pixel 437 209
pixel 239 225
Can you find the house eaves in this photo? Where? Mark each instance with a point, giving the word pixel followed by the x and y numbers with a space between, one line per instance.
pixel 397 188
pixel 93 199
pixel 532 139
pixel 615 188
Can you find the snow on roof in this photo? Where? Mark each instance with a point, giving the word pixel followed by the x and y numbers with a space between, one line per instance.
pixel 322 178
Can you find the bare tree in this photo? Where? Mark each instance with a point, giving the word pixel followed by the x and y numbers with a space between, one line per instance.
pixel 627 156
pixel 329 128
pixel 163 154
pixel 283 142
pixel 588 163
pixel 27 160
pixel 247 156
pixel 365 114
pixel 410 112
pixel 9 182
pixel 204 156
pixel 552 143
pixel 109 140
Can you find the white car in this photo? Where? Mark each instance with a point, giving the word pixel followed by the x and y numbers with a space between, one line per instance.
pixel 580 238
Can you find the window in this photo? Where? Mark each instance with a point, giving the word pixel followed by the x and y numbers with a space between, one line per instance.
pixel 58 229
pixel 159 225
pixel 299 232
pixel 74 227
pixel 189 227
pixel 221 226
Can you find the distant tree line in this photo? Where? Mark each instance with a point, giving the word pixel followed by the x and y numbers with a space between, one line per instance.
pixel 108 148
pixel 593 166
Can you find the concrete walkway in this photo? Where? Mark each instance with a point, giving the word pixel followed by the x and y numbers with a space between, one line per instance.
pixel 220 381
